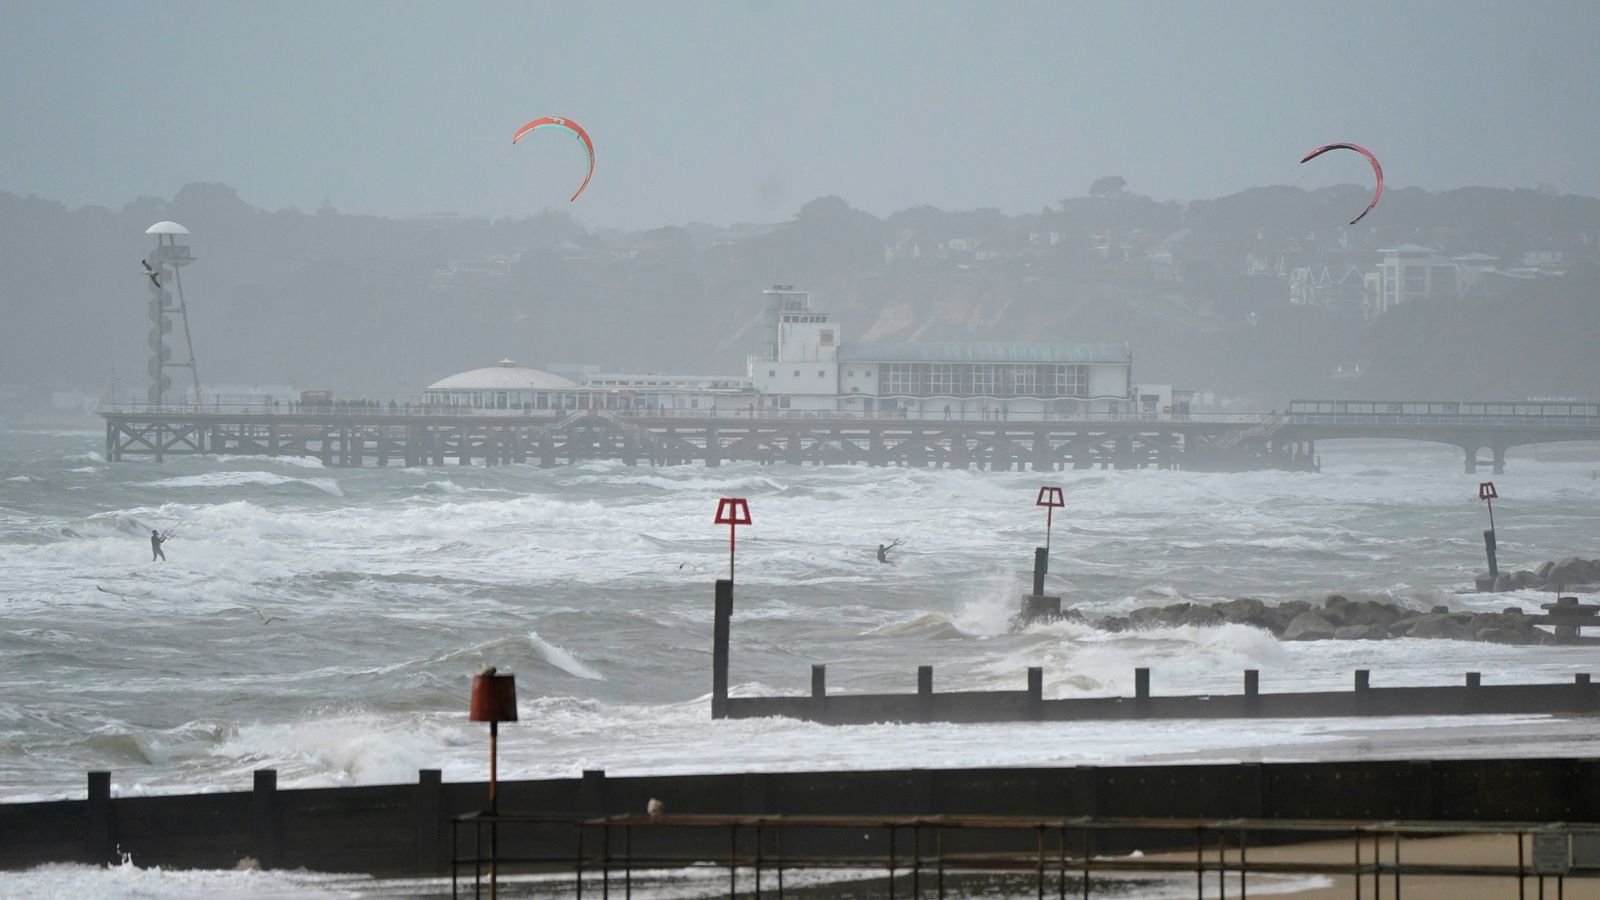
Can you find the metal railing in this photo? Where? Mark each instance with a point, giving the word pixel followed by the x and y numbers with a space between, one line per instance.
pixel 921 854
pixel 934 417
pixel 1397 419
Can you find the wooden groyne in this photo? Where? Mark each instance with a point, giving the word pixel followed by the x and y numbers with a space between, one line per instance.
pixel 405 829
pixel 1470 697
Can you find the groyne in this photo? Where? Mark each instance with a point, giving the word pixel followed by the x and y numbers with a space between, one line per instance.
pixel 405 829
pixel 1470 697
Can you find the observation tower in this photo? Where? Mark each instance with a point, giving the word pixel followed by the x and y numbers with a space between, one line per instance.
pixel 162 279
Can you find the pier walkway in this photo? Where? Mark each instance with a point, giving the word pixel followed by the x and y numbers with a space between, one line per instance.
pixel 413 435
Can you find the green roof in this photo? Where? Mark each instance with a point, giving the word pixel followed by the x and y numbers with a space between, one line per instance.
pixel 985 352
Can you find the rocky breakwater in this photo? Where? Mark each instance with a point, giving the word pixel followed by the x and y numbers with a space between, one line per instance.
pixel 1338 618
pixel 1554 575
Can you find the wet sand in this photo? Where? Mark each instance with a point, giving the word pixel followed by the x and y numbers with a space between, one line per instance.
pixel 1476 849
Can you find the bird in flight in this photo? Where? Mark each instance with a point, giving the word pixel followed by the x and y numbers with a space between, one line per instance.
pixel 267 620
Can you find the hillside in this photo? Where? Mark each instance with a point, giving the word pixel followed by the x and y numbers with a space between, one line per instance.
pixel 1201 290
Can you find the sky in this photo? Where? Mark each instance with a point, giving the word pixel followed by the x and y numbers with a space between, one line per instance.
pixel 743 110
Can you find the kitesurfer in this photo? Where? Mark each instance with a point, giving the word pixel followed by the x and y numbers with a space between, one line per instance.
pixel 883 550
pixel 156 540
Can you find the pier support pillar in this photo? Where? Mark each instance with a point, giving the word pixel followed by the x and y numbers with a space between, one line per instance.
pixel 1499 460
pixel 713 447
pixel 1472 460
pixel 1043 461
pixel 719 648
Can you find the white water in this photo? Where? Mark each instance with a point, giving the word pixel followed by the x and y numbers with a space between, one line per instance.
pixel 593 584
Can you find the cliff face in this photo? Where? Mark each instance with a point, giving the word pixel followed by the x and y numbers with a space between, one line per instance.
pixel 358 303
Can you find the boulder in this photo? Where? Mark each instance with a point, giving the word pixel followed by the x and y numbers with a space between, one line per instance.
pixel 1311 625
pixel 1433 625
pixel 1373 612
pixel 1506 636
pixel 1361 633
pixel 1250 611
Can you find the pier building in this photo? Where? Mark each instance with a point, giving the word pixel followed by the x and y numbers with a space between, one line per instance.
pixel 806 367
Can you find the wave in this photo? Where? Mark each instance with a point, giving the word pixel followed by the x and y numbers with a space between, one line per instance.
pixel 241 479
pixel 561 659
pixel 930 625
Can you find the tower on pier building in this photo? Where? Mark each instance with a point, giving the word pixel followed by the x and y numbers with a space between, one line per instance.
pixel 807 365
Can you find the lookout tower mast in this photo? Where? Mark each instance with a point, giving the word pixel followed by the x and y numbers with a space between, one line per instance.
pixel 162 279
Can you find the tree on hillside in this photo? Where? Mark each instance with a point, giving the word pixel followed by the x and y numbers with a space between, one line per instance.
pixel 1108 186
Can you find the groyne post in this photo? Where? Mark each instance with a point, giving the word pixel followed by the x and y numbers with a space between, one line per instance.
pixel 99 831
pixel 1363 685
pixel 1252 690
pixel 819 681
pixel 925 681
pixel 1488 495
pixel 719 648
pixel 429 822
pixel 1041 564
pixel 264 817
pixel 1141 685
pixel 1035 692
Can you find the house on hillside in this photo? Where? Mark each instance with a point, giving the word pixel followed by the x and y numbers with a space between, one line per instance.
pixel 1406 273
pixel 1343 293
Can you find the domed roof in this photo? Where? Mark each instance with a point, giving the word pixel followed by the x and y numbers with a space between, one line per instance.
pixel 503 376
pixel 167 227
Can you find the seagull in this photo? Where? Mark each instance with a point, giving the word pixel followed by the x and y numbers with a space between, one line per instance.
pixel 267 620
pixel 154 276
pixel 655 808
pixel 488 672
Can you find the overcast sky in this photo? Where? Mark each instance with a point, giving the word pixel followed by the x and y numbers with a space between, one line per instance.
pixel 743 110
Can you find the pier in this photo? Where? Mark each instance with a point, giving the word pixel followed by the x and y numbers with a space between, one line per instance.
pixel 416 435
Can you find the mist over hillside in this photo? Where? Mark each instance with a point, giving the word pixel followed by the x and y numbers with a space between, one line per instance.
pixel 1202 291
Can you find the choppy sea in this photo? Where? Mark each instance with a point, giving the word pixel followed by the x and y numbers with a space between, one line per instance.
pixel 326 622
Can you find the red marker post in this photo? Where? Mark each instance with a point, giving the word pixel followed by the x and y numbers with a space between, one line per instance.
pixel 1488 495
pixel 1049 498
pixel 732 512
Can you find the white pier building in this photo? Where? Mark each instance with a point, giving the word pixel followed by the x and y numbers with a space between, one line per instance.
pixel 806 368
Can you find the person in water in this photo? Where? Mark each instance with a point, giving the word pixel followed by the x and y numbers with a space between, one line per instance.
pixel 156 540
pixel 883 550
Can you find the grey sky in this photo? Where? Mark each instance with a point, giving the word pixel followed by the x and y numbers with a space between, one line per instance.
pixel 730 111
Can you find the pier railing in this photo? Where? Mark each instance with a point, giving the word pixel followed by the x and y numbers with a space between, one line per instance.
pixel 434 410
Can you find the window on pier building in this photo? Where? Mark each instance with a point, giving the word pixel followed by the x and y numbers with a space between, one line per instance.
pixel 985 380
